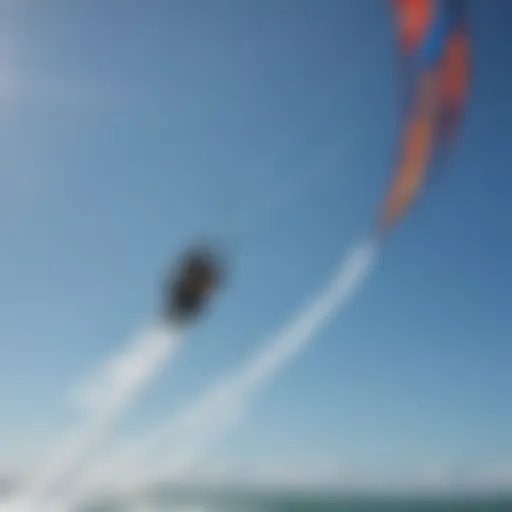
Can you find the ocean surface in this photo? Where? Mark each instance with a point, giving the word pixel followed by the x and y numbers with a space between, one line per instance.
pixel 165 500
pixel 260 502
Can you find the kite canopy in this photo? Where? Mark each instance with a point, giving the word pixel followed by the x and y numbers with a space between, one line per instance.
pixel 433 42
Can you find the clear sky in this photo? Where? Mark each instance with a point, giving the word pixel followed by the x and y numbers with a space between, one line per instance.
pixel 131 128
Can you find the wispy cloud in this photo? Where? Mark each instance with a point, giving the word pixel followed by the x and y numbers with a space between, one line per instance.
pixel 419 478
pixel 305 475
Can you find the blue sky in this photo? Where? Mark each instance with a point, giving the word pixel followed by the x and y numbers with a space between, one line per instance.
pixel 130 131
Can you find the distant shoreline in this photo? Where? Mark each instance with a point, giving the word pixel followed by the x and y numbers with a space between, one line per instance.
pixel 314 494
pixel 364 499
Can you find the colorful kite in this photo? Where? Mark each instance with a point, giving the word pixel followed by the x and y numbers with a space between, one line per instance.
pixel 434 56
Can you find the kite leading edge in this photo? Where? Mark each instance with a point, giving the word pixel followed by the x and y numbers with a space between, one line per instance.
pixel 433 40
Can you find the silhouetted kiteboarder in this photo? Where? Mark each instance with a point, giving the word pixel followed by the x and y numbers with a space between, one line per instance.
pixel 198 275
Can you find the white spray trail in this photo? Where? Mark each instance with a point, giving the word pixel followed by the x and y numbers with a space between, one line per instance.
pixel 125 376
pixel 213 413
pixel 228 405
